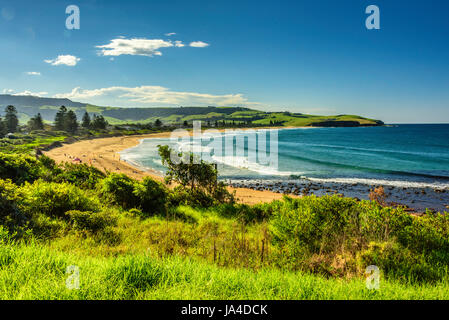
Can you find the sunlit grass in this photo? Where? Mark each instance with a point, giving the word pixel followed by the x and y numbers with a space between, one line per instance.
pixel 34 271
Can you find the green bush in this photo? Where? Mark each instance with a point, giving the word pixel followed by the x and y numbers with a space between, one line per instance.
pixel 55 199
pixel 221 194
pixel 18 168
pixel 243 212
pixel 335 235
pixel 47 162
pixel 399 262
pixel 191 197
pixel 311 222
pixel 10 215
pixel 81 175
pixel 134 212
pixel 90 221
pixel 152 196
pixel 427 233
pixel 119 189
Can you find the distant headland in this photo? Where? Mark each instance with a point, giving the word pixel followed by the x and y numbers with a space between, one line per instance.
pixel 28 106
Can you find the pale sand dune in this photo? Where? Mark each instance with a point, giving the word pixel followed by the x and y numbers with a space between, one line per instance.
pixel 103 154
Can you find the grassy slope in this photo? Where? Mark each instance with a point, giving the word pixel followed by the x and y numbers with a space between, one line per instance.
pixel 37 272
pixel 257 117
pixel 172 259
pixel 294 121
pixel 307 120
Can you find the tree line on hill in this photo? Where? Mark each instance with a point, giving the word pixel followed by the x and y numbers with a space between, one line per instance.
pixel 10 123
pixel 65 120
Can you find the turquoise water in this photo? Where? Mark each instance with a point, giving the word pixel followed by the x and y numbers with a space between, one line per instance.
pixel 399 155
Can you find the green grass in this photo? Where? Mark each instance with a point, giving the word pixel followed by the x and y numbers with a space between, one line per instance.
pixel 35 271
pixel 179 115
pixel 304 120
pixel 157 258
pixel 26 144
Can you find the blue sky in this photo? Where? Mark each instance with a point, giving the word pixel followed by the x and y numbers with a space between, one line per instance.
pixel 303 56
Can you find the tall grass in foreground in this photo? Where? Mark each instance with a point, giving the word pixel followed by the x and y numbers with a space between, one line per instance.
pixel 34 271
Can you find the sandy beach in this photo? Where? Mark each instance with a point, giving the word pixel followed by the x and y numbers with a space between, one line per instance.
pixel 103 153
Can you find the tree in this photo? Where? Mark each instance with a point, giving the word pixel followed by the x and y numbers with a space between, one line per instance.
pixel 60 119
pixel 198 176
pixel 70 122
pixel 86 121
pixel 185 124
pixel 158 123
pixel 11 120
pixel 2 128
pixel 36 123
pixel 99 122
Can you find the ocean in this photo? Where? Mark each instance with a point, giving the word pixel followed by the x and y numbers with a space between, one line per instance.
pixel 399 156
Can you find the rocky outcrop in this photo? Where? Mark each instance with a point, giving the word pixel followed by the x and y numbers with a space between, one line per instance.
pixel 345 124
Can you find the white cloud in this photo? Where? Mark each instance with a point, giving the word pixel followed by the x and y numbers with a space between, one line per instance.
pixel 152 95
pixel 198 44
pixel 67 60
pixel 142 47
pixel 134 46
pixel 179 44
pixel 170 34
pixel 24 93
pixel 29 93
pixel 33 73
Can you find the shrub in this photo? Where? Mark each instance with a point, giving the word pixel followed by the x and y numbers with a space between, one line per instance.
pixel 136 213
pixel 334 235
pixel 55 199
pixel 428 233
pixel 315 223
pixel 18 168
pixel 10 215
pixel 195 198
pixel 119 189
pixel 152 196
pixel 90 221
pixel 399 262
pixel 243 212
pixel 221 194
pixel 81 175
pixel 47 162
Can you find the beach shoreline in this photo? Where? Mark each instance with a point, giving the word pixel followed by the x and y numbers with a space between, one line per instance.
pixel 104 154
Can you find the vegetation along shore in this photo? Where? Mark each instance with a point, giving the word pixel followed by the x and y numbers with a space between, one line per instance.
pixel 133 237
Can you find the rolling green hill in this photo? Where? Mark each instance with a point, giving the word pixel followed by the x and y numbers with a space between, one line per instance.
pixel 28 106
